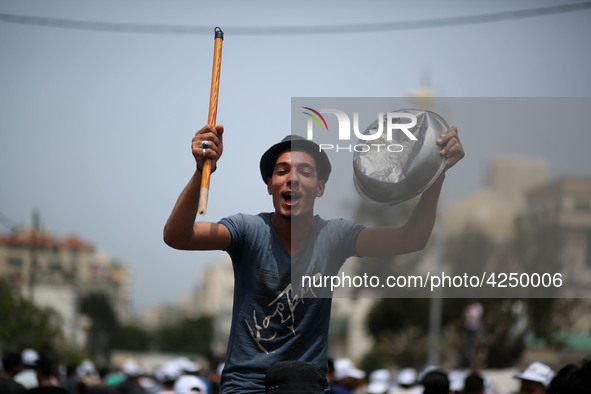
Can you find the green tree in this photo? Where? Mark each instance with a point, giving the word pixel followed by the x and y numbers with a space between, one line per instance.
pixel 98 307
pixel 130 337
pixel 23 324
pixel 189 335
pixel 400 328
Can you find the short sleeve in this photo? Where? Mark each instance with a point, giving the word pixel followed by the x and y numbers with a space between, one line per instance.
pixel 234 224
pixel 348 232
pixel 351 233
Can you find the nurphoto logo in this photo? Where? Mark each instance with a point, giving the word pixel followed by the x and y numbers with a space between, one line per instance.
pixel 394 122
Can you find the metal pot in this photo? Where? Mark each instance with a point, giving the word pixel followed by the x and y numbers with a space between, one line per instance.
pixel 394 171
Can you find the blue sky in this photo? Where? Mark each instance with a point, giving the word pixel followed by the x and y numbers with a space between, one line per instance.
pixel 95 126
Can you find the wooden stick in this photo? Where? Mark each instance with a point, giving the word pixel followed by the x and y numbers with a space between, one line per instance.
pixel 213 108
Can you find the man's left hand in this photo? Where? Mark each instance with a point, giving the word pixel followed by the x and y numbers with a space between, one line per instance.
pixel 451 147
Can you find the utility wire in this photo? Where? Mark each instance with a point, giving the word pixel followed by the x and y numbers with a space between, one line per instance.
pixel 8 223
pixel 291 30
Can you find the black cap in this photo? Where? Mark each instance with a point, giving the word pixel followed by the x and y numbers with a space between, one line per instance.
pixel 297 377
pixel 295 142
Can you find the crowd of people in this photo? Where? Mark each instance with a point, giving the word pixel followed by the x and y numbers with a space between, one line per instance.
pixel 537 378
pixel 28 372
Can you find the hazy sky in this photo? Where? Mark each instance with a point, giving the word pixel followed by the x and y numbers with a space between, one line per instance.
pixel 95 126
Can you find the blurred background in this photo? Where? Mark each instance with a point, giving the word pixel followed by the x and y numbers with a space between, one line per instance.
pixel 98 105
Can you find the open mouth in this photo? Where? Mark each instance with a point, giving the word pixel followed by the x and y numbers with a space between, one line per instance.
pixel 291 198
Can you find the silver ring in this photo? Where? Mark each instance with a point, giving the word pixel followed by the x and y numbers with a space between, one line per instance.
pixel 204 149
pixel 205 144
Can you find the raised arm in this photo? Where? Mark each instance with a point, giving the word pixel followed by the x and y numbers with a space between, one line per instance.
pixel 181 230
pixel 414 234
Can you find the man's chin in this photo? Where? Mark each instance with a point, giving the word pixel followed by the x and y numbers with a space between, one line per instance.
pixel 291 214
pixel 286 216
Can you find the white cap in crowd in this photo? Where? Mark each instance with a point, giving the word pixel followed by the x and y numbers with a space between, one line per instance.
pixel 169 371
pixel 344 368
pixel 85 368
pixel 187 365
pixel 457 379
pixel 29 357
pixel 407 376
pixel 131 369
pixel 379 381
pixel 537 372
pixel 189 384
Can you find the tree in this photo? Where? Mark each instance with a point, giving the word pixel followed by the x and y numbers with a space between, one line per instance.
pixel 398 326
pixel 189 335
pixel 130 337
pixel 400 329
pixel 98 307
pixel 24 325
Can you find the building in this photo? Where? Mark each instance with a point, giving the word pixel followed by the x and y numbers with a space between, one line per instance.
pixel 560 213
pixel 214 297
pixel 494 207
pixel 512 176
pixel 157 316
pixel 58 272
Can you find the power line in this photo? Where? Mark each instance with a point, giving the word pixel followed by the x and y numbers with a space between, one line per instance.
pixel 8 223
pixel 291 30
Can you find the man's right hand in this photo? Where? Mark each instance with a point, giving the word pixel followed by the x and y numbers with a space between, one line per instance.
pixel 181 230
pixel 214 144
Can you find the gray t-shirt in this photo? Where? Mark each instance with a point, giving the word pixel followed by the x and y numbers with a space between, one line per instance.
pixel 273 320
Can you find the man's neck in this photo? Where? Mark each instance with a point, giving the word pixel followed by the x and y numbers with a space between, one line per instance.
pixel 292 231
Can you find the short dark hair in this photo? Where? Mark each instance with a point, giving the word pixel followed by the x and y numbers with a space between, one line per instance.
pixel 436 382
pixel 572 379
pixel 10 361
pixel 45 366
pixel 295 377
pixel 474 383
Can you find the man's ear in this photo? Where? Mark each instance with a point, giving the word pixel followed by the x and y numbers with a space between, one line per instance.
pixel 269 186
pixel 321 185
